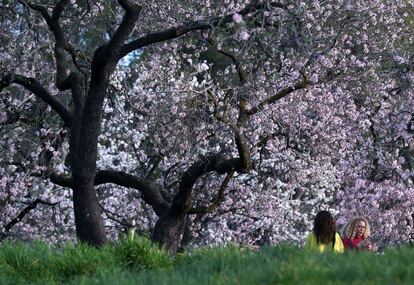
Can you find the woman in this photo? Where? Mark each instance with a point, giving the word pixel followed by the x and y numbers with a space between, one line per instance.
pixel 355 235
pixel 324 236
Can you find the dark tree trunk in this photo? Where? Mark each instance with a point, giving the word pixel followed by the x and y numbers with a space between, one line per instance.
pixel 88 219
pixel 169 231
pixel 84 149
pixel 187 237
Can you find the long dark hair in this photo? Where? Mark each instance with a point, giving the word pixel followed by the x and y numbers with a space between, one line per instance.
pixel 324 228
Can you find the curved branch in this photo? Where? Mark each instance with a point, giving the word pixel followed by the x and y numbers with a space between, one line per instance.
pixel 281 94
pixel 217 202
pixel 37 7
pixel 107 56
pixel 132 11
pixel 75 54
pixel 22 214
pixel 60 180
pixel 219 163
pixel 62 78
pixel 240 138
pixel 170 226
pixel 185 28
pixel 36 88
pixel 115 217
pixel 151 192
pixel 242 75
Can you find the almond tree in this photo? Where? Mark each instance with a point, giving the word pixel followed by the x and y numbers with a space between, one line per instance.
pixel 266 107
pixel 88 91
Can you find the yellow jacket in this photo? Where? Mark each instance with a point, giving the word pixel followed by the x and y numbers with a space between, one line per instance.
pixel 312 244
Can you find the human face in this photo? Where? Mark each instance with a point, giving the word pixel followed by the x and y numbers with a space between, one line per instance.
pixel 360 228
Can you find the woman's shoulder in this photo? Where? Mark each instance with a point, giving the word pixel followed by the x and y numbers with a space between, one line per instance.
pixel 345 238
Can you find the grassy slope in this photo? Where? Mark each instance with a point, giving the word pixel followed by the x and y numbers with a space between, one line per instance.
pixel 138 262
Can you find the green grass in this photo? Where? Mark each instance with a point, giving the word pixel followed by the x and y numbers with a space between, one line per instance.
pixel 137 261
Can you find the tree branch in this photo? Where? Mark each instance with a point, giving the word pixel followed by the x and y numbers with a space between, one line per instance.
pixel 57 12
pixel 242 75
pixel 36 88
pixel 60 180
pixel 116 218
pixel 241 141
pixel 182 201
pixel 217 202
pixel 185 28
pixel 243 150
pixel 62 78
pixel 75 54
pixel 37 7
pixel 281 94
pixel 316 54
pixel 107 56
pixel 132 11
pixel 22 214
pixel 151 192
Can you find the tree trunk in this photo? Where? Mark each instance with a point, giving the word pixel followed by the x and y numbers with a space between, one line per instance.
pixel 170 227
pixel 84 150
pixel 88 218
pixel 168 231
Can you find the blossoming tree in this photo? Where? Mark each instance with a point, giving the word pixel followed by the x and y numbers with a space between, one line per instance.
pixel 202 123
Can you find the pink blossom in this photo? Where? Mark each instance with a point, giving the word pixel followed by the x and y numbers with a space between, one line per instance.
pixel 237 18
pixel 244 35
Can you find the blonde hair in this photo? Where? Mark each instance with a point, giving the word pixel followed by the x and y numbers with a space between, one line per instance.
pixel 349 230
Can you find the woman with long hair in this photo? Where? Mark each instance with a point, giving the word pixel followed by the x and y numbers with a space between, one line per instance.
pixel 324 236
pixel 355 235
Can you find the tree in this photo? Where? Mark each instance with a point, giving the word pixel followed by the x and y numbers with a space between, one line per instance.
pixel 84 122
pixel 262 92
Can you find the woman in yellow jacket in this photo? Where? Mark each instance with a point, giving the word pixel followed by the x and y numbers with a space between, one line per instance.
pixel 324 236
